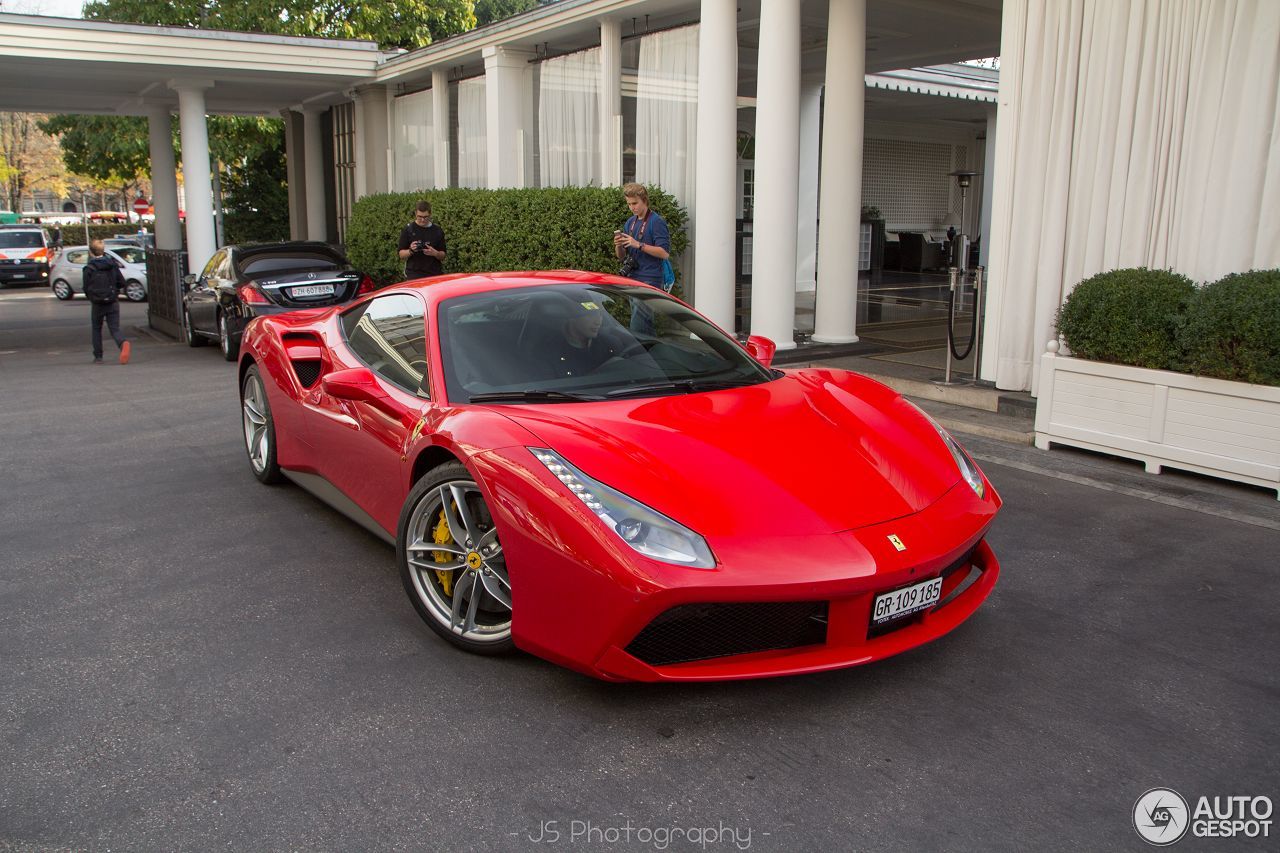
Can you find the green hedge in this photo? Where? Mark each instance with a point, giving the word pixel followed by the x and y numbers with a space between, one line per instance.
pixel 517 229
pixel 1229 329
pixel 73 235
pixel 1232 329
pixel 1128 316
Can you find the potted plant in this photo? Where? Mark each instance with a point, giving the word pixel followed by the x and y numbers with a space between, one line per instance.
pixel 1159 370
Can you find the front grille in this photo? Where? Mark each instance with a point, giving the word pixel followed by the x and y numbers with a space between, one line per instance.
pixel 693 632
pixel 308 371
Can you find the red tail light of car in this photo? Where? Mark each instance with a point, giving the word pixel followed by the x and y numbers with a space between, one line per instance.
pixel 366 286
pixel 250 295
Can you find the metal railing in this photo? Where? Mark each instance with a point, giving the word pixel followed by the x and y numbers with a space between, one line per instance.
pixel 165 269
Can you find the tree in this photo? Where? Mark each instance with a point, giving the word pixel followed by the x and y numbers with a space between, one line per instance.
pixel 488 11
pixel 30 159
pixel 404 23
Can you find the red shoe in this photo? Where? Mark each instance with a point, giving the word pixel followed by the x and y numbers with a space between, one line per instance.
pixel 125 349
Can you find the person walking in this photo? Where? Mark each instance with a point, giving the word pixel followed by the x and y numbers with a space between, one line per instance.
pixel 102 284
pixel 422 246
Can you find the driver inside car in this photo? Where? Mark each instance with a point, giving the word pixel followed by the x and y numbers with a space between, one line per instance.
pixel 576 347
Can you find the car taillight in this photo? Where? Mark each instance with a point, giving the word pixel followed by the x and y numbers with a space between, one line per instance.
pixel 250 295
pixel 366 286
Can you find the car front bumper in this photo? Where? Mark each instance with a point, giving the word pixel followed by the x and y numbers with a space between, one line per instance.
pixel 24 272
pixel 791 604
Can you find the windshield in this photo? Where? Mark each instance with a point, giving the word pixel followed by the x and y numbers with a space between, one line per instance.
pixel 21 239
pixel 260 264
pixel 131 254
pixel 568 341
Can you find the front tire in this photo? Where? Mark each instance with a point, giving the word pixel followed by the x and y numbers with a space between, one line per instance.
pixel 452 563
pixel 259 428
pixel 62 290
pixel 230 348
pixel 134 291
pixel 194 338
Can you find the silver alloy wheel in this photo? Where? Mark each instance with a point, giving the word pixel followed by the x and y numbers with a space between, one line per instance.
pixel 257 438
pixel 134 291
pixel 478 606
pixel 62 290
pixel 224 334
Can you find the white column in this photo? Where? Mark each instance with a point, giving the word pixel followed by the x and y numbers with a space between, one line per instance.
pixel 773 260
pixel 389 131
pixel 440 125
pixel 360 146
pixel 807 216
pixel 371 109
pixel 294 170
pixel 610 103
pixel 988 186
pixel 194 133
pixel 164 179
pixel 717 167
pixel 504 75
pixel 840 208
pixel 313 165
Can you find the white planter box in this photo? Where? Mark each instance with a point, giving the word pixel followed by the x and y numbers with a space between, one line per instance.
pixel 1210 426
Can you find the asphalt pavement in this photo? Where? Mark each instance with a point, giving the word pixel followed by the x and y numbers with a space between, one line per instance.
pixel 192 661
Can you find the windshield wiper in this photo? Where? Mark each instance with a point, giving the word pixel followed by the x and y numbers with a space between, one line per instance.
pixel 683 386
pixel 531 397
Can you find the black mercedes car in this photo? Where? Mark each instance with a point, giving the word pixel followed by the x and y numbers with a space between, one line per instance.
pixel 242 282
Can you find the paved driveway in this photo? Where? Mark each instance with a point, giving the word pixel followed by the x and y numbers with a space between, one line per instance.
pixel 195 661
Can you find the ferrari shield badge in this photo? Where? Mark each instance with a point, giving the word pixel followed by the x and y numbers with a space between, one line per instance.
pixel 897 543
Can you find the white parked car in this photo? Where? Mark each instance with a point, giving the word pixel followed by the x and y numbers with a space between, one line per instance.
pixel 67 275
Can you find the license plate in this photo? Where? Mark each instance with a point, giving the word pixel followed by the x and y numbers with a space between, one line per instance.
pixel 905 601
pixel 312 290
pixel 19 275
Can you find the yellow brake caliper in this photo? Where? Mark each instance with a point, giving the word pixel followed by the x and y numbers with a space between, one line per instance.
pixel 441 535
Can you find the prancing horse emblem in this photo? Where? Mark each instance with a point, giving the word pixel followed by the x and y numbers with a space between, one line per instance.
pixel 897 543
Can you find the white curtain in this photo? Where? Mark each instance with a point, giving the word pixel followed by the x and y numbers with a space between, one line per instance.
pixel 473 155
pixel 414 142
pixel 569 120
pixel 1130 133
pixel 667 111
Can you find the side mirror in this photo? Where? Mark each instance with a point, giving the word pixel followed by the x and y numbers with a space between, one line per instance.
pixel 356 383
pixel 761 349
pixel 189 281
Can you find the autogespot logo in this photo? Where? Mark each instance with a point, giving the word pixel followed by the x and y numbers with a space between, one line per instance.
pixel 1160 816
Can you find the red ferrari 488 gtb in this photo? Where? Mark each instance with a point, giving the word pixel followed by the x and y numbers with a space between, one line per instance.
pixel 587 469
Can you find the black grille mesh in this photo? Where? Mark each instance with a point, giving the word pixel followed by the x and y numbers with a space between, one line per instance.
pixel 308 371
pixel 700 631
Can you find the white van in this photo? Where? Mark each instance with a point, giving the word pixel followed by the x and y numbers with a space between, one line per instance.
pixel 24 255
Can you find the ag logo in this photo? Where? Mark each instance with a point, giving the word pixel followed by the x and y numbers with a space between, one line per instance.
pixel 1161 817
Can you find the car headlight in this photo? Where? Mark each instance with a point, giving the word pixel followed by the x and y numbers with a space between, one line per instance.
pixel 968 469
pixel 647 531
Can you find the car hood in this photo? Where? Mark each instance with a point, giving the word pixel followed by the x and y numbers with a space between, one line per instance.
pixel 816 451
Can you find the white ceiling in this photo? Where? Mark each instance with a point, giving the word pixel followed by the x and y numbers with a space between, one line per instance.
pixel 62 65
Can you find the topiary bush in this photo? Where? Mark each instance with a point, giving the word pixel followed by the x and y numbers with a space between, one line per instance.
pixel 515 229
pixel 1128 316
pixel 1232 330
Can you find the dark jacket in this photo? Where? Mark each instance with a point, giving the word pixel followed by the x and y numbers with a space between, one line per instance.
pixel 107 264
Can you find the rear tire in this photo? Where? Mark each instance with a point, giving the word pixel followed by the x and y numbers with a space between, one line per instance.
pixel 62 290
pixel 452 564
pixel 230 349
pixel 259 428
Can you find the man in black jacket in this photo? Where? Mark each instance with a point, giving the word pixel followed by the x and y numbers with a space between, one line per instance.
pixel 422 245
pixel 102 285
